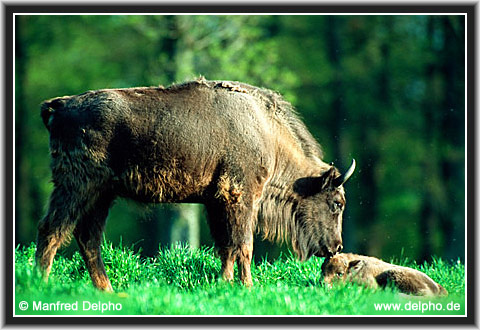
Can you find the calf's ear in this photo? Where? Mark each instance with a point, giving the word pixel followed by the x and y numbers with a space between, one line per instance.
pixel 356 265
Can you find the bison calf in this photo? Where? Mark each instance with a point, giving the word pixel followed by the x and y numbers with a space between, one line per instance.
pixel 372 272
pixel 240 150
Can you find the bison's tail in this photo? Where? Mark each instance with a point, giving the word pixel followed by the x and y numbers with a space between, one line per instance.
pixel 49 108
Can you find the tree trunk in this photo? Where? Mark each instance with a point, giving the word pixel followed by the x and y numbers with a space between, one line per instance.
pixel 452 165
pixel 334 55
pixel 427 213
pixel 23 204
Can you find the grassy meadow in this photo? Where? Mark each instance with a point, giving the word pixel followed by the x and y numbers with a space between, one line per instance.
pixel 184 281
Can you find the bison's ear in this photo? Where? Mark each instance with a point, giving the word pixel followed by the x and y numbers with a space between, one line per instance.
pixel 55 103
pixel 328 178
pixel 310 186
pixel 49 107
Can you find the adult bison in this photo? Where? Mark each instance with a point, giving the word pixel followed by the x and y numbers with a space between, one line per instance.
pixel 240 150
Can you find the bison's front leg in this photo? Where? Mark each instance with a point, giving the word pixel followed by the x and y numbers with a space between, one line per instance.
pixel 242 253
pixel 231 218
pixel 244 260
pixel 228 257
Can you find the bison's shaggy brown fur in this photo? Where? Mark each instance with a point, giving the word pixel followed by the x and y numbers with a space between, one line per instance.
pixel 239 149
pixel 374 273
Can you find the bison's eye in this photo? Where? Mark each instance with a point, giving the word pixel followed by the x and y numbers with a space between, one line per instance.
pixel 337 206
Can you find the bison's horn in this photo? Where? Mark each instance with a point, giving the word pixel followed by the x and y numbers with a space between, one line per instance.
pixel 343 178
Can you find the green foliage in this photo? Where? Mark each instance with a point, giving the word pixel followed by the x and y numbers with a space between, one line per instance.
pixel 451 275
pixel 183 281
pixel 187 268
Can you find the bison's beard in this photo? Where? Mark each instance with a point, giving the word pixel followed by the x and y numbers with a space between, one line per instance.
pixel 307 242
pixel 308 245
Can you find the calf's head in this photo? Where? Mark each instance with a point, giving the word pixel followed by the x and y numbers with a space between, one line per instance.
pixel 341 267
pixel 318 218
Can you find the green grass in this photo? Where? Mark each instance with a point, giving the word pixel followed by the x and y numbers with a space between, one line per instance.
pixel 183 281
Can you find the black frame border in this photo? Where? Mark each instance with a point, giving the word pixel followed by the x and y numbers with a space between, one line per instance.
pixel 261 8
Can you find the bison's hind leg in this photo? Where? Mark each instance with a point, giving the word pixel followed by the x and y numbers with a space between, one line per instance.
pixel 83 214
pixel 55 228
pixel 88 234
pixel 50 237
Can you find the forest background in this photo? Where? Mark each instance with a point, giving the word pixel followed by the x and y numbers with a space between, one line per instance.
pixel 387 90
